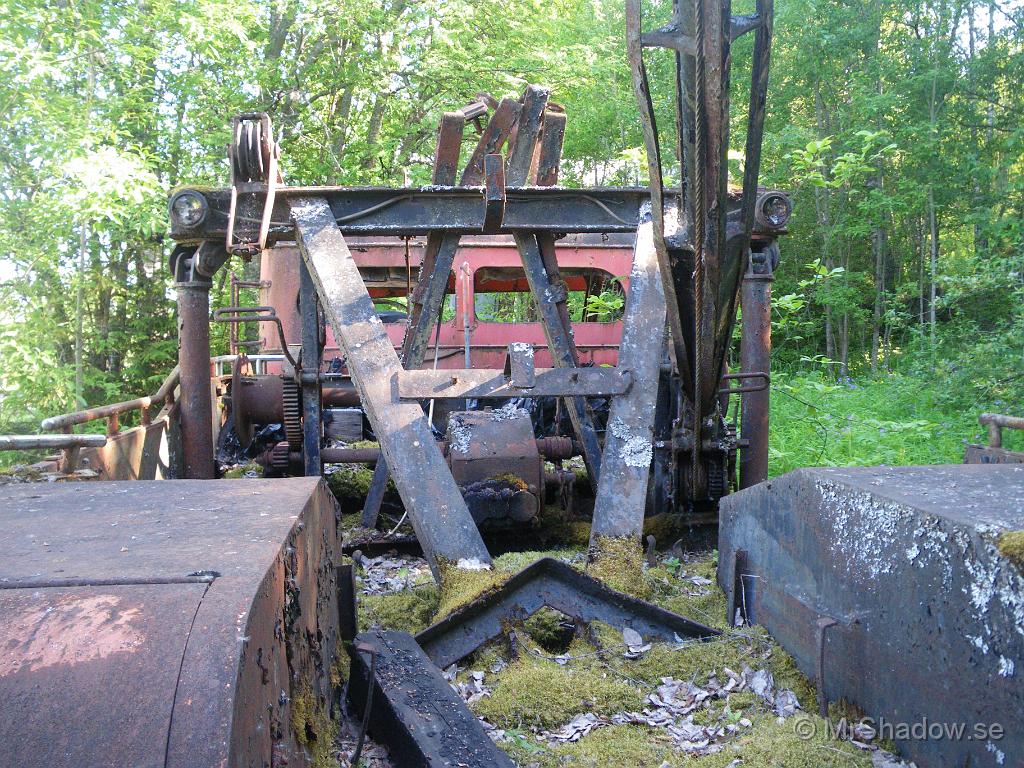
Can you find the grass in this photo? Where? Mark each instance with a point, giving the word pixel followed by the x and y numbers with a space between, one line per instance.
pixel 893 419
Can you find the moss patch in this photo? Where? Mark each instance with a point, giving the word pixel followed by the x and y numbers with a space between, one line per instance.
pixel 314 729
pixel 409 611
pixel 537 693
pixel 250 470
pixel 461 586
pixel 617 745
pixel 546 628
pixel 1011 546
pixel 618 561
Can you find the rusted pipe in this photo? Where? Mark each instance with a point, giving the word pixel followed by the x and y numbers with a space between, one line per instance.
pixel 755 358
pixel 45 442
pixel 196 400
pixel 163 395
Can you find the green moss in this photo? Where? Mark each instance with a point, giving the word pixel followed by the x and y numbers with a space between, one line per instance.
pixel 1011 546
pixel 244 471
pixel 340 666
pixel 513 480
pixel 618 561
pixel 546 630
pixel 313 728
pixel 579 533
pixel 665 528
pixel 617 745
pixel 513 562
pixel 350 483
pixel 408 611
pixel 800 741
pixel 533 692
pixel 461 586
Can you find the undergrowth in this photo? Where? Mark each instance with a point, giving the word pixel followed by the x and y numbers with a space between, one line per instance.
pixel 893 419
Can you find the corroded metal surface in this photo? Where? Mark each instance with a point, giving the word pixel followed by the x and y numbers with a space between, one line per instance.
pixel 164 624
pixel 414 709
pixel 929 615
pixel 436 508
pixel 628 443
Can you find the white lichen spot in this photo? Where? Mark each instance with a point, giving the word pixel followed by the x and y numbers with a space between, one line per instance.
pixel 509 412
pixel 459 435
pixel 472 564
pixel 998 753
pixel 522 348
pixel 1006 667
pixel 978 642
pixel 637 450
pixel 912 552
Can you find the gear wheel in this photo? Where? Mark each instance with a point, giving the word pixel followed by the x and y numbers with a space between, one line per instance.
pixel 292 408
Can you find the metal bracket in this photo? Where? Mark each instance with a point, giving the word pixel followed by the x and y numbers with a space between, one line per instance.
pixel 494 193
pixel 519 368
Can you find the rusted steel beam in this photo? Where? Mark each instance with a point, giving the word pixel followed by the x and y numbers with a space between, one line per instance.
pixel 641 88
pixel 548 290
pixel 523 148
pixel 428 296
pixel 563 351
pixel 628 441
pixel 755 356
pixel 494 136
pixel 449 142
pixel 550 157
pixel 995 423
pixel 436 508
pixel 312 429
pixel 455 384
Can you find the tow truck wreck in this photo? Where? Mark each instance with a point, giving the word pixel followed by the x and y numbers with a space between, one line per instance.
pixel 621 415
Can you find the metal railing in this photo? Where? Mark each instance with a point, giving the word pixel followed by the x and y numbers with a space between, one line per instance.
pixel 996 422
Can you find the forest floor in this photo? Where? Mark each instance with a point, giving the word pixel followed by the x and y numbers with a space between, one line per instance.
pixel 587 697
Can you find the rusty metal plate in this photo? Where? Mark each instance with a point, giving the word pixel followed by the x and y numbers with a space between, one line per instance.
pixel 88 674
pixel 145 531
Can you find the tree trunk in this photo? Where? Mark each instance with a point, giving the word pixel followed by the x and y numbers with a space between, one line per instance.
pixel 933 242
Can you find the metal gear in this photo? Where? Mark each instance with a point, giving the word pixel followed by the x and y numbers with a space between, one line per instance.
pixel 292 408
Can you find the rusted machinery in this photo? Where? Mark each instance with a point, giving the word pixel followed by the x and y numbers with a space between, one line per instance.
pixel 665 442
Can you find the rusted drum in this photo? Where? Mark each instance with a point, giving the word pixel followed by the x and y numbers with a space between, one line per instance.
pixel 175 623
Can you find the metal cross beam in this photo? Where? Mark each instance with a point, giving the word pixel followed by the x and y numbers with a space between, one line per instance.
pixel 408 211
pixel 436 508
